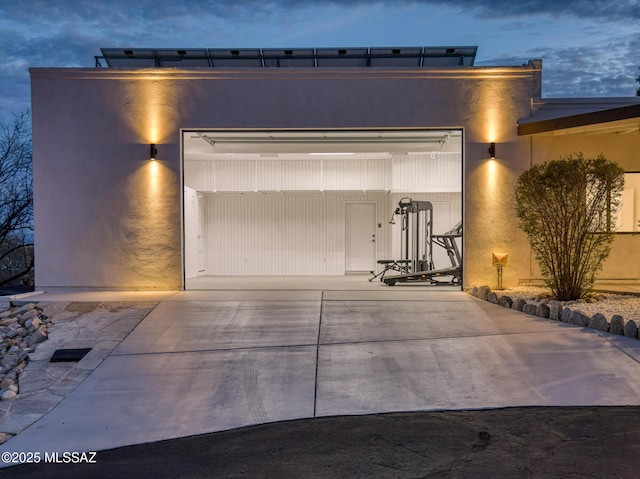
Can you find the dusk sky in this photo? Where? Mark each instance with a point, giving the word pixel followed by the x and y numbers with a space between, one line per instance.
pixel 590 48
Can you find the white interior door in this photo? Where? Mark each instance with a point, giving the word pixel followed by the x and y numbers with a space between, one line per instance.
pixel 360 237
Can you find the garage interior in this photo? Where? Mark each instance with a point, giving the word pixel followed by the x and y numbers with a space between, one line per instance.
pixel 311 203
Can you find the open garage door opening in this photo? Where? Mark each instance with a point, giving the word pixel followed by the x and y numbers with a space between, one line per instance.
pixel 321 204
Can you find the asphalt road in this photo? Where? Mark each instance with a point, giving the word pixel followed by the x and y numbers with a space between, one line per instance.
pixel 538 442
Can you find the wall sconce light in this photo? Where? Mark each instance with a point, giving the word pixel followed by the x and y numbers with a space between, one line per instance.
pixel 492 150
pixel 153 151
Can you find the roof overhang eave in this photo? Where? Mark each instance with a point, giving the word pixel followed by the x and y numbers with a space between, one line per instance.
pixel 622 119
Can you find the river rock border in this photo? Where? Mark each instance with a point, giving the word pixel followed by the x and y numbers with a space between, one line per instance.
pixel 560 311
pixel 21 329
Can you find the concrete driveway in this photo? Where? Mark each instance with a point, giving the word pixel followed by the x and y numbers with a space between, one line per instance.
pixel 205 361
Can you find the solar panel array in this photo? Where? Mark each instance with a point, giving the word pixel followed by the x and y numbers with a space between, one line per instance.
pixel 417 57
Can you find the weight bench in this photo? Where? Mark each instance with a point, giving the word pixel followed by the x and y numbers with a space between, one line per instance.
pixel 400 265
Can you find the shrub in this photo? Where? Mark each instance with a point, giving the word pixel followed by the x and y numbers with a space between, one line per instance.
pixel 568 210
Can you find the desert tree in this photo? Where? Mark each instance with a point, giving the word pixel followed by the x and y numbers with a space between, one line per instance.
pixel 568 209
pixel 16 201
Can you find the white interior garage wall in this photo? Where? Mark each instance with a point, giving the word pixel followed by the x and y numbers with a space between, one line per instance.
pixel 270 217
pixel 426 172
pixel 271 234
pixel 300 234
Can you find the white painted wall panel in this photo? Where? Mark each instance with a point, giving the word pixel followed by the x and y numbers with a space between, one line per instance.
pixel 378 175
pixel 235 175
pixel 191 232
pixel 304 234
pixel 269 175
pixel 344 175
pixel 264 228
pixel 431 172
pixel 197 175
pixel 283 234
pixel 301 175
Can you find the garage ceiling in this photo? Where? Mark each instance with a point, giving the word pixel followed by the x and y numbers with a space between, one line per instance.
pixel 214 145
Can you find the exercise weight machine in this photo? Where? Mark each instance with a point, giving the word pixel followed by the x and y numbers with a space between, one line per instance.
pixel 417 241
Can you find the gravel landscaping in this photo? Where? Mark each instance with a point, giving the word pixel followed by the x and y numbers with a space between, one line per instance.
pixel 615 313
pixel 21 330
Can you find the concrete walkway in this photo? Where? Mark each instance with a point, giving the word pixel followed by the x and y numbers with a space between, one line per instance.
pixel 205 361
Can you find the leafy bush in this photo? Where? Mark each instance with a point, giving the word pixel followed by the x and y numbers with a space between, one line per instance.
pixel 568 209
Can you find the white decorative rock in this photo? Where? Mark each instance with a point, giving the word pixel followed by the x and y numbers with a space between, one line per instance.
pixel 38 336
pixel 7 394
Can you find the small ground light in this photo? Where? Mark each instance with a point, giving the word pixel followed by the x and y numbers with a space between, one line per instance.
pixel 499 261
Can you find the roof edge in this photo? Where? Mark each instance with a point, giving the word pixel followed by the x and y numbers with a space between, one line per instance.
pixel 582 119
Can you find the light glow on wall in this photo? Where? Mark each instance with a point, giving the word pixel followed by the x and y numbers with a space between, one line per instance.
pixel 149 228
pixel 150 106
pixel 491 179
pixel 153 187
pixel 495 205
pixel 490 109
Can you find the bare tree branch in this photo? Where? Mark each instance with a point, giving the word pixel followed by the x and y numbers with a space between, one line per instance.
pixel 16 200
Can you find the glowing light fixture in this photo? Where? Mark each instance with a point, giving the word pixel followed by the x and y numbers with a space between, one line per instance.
pixel 326 153
pixel 499 261
pixel 492 150
pixel 153 151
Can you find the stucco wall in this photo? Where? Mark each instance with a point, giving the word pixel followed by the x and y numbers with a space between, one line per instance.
pixel 107 217
pixel 624 260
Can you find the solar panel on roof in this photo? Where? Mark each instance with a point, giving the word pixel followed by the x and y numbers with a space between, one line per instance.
pixel 342 57
pixel 182 58
pixel 396 57
pixel 415 57
pixel 128 57
pixel 288 58
pixel 235 57
pixel 449 56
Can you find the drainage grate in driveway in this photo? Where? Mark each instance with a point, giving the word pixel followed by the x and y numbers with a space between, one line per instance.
pixel 69 355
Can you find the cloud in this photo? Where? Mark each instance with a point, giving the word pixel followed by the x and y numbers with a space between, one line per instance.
pixel 606 69
pixel 68 33
pixel 603 70
pixel 599 10
pixel 143 11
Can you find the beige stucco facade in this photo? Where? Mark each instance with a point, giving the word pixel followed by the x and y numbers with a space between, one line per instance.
pixel 106 217
pixel 618 141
